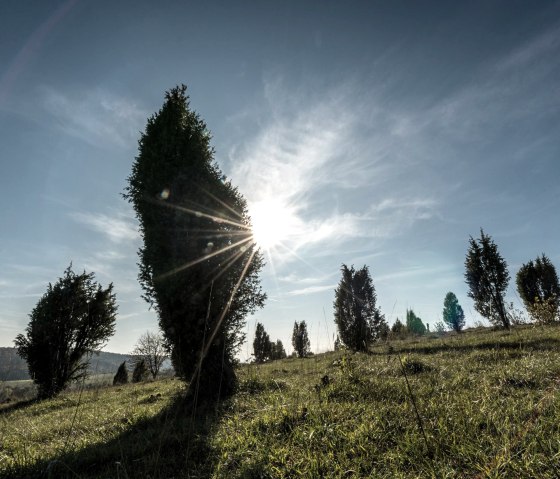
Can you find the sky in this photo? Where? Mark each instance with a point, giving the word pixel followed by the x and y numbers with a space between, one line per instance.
pixel 372 133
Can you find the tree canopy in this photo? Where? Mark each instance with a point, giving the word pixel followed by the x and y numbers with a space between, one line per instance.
pixel 277 350
pixel 398 329
pixel 300 339
pixel 487 276
pixel 539 288
pixel 453 314
pixel 414 324
pixel 262 348
pixel 140 372
pixel 74 318
pixel 150 348
pixel 356 315
pixel 121 376
pixel 199 266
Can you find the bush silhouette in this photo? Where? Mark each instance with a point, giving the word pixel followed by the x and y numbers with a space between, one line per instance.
pixel 122 375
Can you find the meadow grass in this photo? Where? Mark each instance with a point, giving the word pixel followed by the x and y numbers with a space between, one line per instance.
pixel 480 404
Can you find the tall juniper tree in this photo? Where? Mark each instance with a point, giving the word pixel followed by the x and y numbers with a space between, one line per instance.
pixel 356 315
pixel 199 265
pixel 487 276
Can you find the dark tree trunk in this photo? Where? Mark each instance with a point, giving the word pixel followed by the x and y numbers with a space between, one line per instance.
pixel 215 381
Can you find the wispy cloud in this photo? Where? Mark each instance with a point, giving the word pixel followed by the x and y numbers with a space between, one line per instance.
pixel 418 271
pixel 31 47
pixel 287 153
pixel 311 290
pixel 296 279
pixel 123 317
pixel 98 117
pixel 319 158
pixel 545 43
pixel 390 217
pixel 119 227
pixel 395 215
pixel 112 251
pixel 505 92
pixel 27 280
pixel 20 295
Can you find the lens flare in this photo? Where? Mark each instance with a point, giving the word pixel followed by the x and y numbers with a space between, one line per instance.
pixel 273 222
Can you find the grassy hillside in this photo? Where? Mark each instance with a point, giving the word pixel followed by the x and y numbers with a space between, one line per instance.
pixel 13 368
pixel 481 404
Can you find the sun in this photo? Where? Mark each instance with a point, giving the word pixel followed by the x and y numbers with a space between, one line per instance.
pixel 273 222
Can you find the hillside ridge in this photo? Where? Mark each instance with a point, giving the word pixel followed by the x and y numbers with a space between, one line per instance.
pixel 14 368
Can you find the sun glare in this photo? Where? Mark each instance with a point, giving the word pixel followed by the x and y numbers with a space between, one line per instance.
pixel 273 222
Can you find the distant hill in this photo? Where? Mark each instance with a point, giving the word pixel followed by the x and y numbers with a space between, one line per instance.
pixel 13 368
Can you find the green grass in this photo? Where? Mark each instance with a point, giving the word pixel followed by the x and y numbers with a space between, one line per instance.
pixel 481 404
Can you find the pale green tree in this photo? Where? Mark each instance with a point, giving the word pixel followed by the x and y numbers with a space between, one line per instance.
pixel 453 314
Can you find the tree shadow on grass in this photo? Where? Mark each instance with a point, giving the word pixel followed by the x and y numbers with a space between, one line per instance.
pixel 171 444
pixel 16 405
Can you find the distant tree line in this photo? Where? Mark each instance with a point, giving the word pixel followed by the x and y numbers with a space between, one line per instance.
pixel 413 326
pixel 77 315
pixel 487 278
pixel 264 349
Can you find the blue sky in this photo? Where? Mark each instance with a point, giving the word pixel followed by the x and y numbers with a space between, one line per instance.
pixel 377 133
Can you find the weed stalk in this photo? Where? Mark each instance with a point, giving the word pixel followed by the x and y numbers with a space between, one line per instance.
pixel 418 418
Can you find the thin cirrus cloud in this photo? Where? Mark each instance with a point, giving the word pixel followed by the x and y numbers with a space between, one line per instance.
pixel 282 158
pixel 118 228
pixel 448 269
pixel 395 215
pixel 329 150
pixel 296 279
pixel 545 43
pixel 505 91
pixel 311 290
pixel 97 117
pixel 117 240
